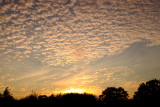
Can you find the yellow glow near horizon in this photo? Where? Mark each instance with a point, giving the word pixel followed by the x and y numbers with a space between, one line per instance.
pixel 72 90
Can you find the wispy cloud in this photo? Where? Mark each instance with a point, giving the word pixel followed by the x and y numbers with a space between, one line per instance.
pixel 31 74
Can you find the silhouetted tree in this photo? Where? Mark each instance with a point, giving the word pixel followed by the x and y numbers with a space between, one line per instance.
pixel 6 92
pixel 148 93
pixel 113 95
pixel 6 98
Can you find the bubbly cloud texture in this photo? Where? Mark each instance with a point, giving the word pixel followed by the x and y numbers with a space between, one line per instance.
pixel 61 42
pixel 60 32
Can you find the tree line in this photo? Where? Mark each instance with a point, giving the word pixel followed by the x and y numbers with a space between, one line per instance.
pixel 148 93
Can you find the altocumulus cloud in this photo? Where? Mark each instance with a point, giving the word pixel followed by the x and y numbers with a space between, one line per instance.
pixel 62 32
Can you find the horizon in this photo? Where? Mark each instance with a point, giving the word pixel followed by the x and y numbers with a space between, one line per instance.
pixel 83 92
pixel 51 46
pixel 68 91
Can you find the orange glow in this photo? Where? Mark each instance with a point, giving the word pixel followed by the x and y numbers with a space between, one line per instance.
pixel 72 90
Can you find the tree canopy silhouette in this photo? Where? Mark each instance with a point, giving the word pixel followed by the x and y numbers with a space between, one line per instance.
pixel 6 92
pixel 112 94
pixel 148 92
pixel 6 98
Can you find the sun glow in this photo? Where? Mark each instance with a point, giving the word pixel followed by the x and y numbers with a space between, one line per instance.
pixel 74 91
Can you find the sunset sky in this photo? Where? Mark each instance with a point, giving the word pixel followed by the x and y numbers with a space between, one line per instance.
pixel 53 46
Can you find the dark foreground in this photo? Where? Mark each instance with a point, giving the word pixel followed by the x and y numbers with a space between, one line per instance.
pixel 148 94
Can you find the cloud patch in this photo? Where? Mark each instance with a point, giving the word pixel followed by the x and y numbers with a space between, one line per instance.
pixel 68 32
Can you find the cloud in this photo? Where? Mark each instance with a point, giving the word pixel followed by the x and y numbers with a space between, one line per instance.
pixel 92 79
pixel 23 89
pixel 31 74
pixel 72 34
pixel 73 31
pixel 93 76
pixel 2 85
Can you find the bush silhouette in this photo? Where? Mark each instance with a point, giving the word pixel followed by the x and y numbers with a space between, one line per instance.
pixel 148 93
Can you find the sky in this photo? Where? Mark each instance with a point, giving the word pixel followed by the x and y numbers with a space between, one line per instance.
pixel 58 46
